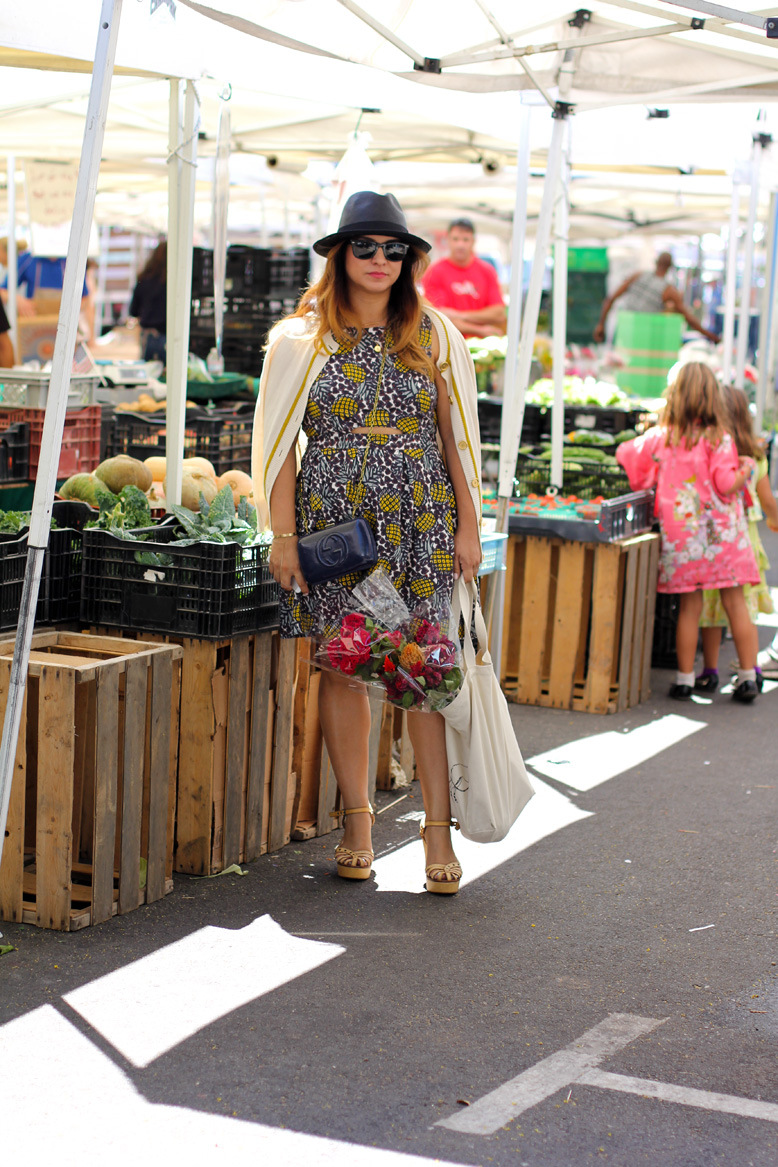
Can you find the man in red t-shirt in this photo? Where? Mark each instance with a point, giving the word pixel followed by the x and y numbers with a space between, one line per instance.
pixel 466 287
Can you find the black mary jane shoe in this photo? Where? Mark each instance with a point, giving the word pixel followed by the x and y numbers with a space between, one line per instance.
pixel 745 692
pixel 707 683
pixel 680 692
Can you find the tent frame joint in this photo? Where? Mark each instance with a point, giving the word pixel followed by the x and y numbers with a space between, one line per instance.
pixel 562 110
pixel 428 65
pixel 581 17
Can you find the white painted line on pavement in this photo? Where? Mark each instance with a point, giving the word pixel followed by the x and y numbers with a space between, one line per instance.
pixel 153 1004
pixel 547 812
pixel 589 761
pixel 47 1071
pixel 684 1095
pixel 545 1078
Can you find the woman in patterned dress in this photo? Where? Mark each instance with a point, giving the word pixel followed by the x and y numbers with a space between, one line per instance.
pixel 364 325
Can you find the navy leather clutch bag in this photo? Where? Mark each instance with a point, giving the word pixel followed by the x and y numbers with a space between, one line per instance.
pixel 340 549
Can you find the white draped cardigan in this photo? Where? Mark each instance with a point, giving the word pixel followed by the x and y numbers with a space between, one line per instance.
pixel 292 364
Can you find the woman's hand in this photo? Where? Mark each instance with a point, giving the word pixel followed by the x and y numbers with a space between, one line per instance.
pixel 284 564
pixel 467 554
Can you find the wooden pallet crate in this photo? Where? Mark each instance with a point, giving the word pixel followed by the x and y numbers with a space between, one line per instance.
pixel 236 787
pixel 579 622
pixel 90 823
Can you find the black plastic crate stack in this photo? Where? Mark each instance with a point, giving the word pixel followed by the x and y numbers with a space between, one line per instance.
pixel 60 586
pixel 605 419
pixel 221 436
pixel 490 420
pixel 208 591
pixel 15 453
pixel 261 286
pixel 533 475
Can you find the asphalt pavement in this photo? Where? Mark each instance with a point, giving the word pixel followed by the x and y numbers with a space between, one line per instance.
pixel 607 991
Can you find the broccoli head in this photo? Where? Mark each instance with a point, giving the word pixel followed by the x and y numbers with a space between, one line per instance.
pixel 137 512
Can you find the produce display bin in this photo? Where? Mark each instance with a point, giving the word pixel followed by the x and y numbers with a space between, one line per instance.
pixel 579 622
pixel 493 546
pixel 80 450
pixel 90 822
pixel 619 518
pixel 27 389
pixel 15 453
pixel 649 342
pixel 490 420
pixel 211 591
pixel 59 596
pixel 223 437
pixel 533 475
pixel 609 419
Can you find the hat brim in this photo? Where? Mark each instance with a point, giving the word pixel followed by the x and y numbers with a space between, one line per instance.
pixel 324 246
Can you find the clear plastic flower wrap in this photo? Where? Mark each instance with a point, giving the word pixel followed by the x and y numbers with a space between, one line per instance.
pixel 409 656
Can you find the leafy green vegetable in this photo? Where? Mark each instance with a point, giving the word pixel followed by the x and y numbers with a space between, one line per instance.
pixel 12 522
pixel 128 512
pixel 218 521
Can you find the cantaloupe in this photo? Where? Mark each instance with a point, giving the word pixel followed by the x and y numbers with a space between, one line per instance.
pixel 239 483
pixel 200 464
pixel 158 467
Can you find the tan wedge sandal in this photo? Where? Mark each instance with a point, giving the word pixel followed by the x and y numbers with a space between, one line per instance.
pixel 353 864
pixel 452 872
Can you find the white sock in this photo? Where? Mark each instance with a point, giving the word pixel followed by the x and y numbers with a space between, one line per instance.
pixel 685 679
pixel 746 675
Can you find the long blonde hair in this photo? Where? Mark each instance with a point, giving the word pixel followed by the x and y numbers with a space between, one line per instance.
pixel 328 301
pixel 695 407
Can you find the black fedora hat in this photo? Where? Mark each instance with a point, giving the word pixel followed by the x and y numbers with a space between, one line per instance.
pixel 367 213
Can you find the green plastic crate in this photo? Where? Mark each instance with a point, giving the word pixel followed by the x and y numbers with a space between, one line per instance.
pixel 649 342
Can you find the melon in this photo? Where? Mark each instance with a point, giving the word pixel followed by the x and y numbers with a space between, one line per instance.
pixel 193 484
pixel 158 467
pixel 239 483
pixel 200 464
pixel 124 471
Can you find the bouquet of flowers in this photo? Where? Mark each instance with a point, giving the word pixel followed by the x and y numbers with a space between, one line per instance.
pixel 410 657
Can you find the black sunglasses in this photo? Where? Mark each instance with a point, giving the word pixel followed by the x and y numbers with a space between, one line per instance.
pixel 393 249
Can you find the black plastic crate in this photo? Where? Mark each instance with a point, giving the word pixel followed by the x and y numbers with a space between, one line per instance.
pixel 620 518
pixel 490 421
pixel 533 475
pixel 223 437
pixel 288 271
pixel 210 591
pixel 607 419
pixel 663 654
pixel 15 453
pixel 60 587
pixel 202 272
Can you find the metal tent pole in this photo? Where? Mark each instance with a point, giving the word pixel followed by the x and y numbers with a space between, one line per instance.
pixel 766 309
pixel 561 228
pixel 513 407
pixel 221 200
pixel 182 176
pixel 730 287
pixel 744 318
pixel 493 600
pixel 62 361
pixel 12 273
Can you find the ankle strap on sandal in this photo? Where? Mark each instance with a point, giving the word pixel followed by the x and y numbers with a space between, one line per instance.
pixel 336 814
pixel 438 823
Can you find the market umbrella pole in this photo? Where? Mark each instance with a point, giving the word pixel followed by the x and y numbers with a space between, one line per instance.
pixel 559 328
pixel 766 314
pixel 56 405
pixel 744 319
pixel 221 200
pixel 12 256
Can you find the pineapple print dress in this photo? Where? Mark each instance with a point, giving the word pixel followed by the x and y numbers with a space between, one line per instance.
pixel 405 495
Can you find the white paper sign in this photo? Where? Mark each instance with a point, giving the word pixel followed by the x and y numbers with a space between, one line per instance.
pixel 51 191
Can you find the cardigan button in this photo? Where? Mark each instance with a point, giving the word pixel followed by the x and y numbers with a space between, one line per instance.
pixel 451 399
pixel 474 482
pixel 444 366
pixel 463 445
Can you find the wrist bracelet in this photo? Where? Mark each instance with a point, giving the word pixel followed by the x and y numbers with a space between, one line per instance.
pixel 287 535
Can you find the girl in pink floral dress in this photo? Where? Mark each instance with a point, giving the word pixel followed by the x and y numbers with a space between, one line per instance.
pixel 693 462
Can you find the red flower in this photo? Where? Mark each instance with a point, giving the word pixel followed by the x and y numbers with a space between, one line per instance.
pixel 352 621
pixel 389 665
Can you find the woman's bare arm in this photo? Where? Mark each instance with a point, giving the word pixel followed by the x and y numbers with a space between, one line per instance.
pixel 284 562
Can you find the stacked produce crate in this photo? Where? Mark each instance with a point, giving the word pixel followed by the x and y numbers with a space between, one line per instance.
pixel 261 286
pixel 649 343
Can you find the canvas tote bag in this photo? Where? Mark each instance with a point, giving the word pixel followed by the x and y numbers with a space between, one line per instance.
pixel 488 783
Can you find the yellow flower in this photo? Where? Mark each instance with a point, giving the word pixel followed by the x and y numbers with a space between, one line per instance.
pixel 411 655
